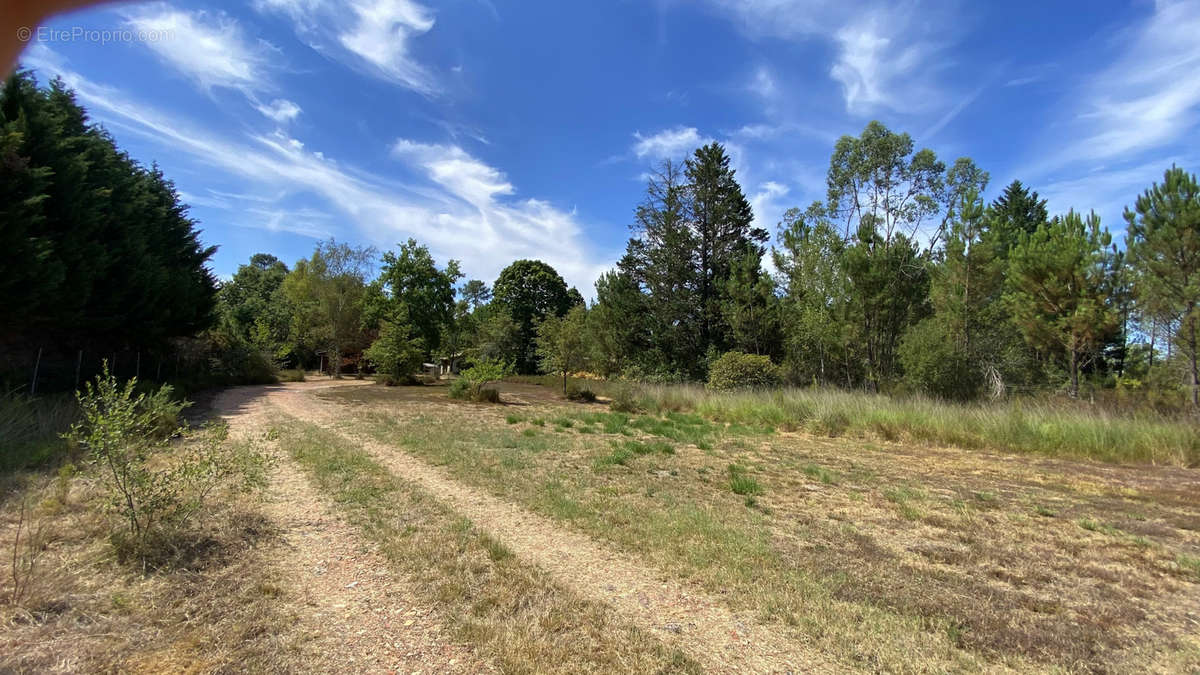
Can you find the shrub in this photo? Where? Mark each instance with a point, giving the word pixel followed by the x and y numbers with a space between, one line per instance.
pixel 580 394
pixel 738 370
pixel 123 432
pixel 472 382
pixel 934 364
pixel 487 395
pixel 394 354
pixel 831 422
pixel 291 375
pixel 460 388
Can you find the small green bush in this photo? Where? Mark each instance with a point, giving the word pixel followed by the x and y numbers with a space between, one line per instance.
pixel 738 370
pixel 830 423
pixel 123 432
pixel 624 399
pixel 472 383
pixel 460 389
pixel 580 394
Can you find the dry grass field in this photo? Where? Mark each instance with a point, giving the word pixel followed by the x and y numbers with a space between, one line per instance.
pixel 404 531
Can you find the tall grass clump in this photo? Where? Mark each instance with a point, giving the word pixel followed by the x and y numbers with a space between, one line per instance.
pixel 30 428
pixel 1043 427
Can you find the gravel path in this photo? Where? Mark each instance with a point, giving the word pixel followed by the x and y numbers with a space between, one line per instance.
pixel 354 613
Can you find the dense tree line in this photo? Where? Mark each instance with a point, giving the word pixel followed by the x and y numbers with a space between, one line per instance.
pixel 902 278
pixel 97 253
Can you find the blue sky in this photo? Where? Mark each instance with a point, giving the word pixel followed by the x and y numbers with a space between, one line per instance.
pixel 493 131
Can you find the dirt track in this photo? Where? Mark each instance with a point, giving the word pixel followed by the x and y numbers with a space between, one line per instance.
pixel 354 612
pixel 363 618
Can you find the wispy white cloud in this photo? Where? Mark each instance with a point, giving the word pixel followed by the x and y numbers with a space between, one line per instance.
pixel 451 167
pixel 280 110
pixel 213 51
pixel 1107 191
pixel 1022 81
pixel 950 114
pixel 374 36
pixel 1150 96
pixel 886 54
pixel 767 202
pixel 1130 121
pixel 210 48
pixel 884 62
pixel 764 84
pixel 675 143
pixel 463 209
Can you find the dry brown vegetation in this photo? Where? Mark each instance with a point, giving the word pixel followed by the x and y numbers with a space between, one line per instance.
pixel 864 553
pixel 904 556
pixel 215 606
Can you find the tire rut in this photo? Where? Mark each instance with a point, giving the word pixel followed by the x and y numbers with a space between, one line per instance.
pixel 352 612
pixel 698 623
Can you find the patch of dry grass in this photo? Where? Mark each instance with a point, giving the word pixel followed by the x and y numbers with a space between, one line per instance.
pixel 886 555
pixel 507 609
pixel 216 608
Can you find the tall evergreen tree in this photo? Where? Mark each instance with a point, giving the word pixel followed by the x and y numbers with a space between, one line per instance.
pixel 750 307
pixel 661 260
pixel 1017 210
pixel 97 252
pixel 1056 290
pixel 1164 251
pixel 722 227
pixel 620 327
pixel 476 293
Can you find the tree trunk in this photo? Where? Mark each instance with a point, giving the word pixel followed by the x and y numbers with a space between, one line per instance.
pixel 564 382
pixel 1074 374
pixel 1195 370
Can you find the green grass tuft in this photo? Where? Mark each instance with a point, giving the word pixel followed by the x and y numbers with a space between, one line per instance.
pixel 821 474
pixel 742 484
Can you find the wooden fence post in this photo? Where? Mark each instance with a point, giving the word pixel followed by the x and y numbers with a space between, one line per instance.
pixel 36 364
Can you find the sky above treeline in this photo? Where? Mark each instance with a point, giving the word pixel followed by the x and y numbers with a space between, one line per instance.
pixel 493 131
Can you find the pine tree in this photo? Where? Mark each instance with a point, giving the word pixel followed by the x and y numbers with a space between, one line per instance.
pixel 722 226
pixel 1164 251
pixel 620 326
pixel 816 302
pixel 1056 290
pixel 1017 210
pixel 750 307
pixel 661 260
